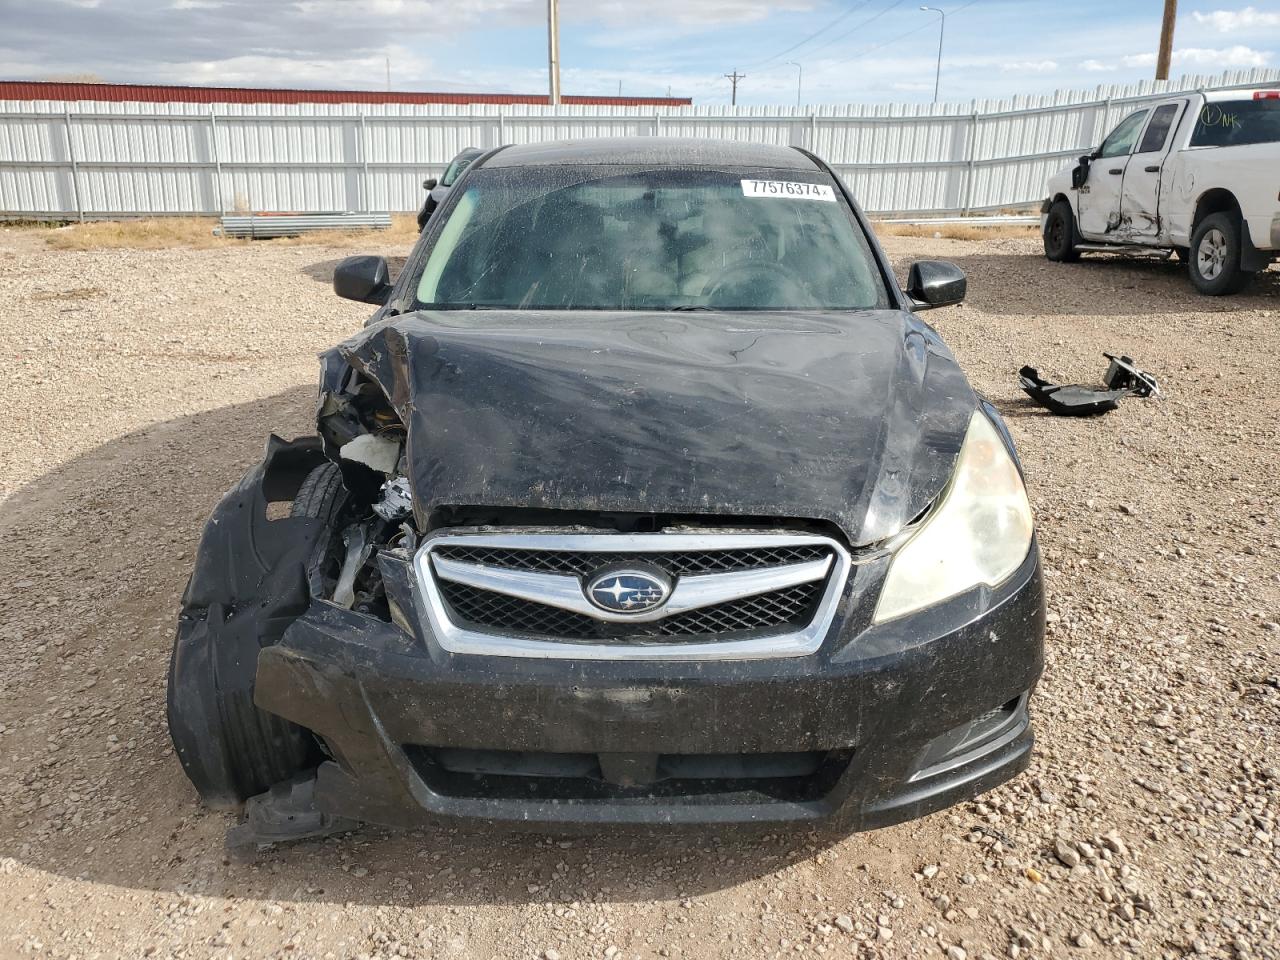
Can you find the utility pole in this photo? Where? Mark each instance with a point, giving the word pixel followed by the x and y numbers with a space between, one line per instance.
pixel 553 49
pixel 734 78
pixel 1166 39
pixel 388 74
pixel 942 28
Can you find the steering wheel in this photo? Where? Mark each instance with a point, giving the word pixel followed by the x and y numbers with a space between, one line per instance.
pixel 756 278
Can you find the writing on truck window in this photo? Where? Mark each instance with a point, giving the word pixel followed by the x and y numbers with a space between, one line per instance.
pixel 1237 123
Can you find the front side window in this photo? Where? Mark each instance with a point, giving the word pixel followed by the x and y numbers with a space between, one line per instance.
pixel 1157 132
pixel 1123 137
pixel 650 238
pixel 1237 123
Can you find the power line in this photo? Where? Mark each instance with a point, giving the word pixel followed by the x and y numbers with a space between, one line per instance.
pixel 855 28
pixel 782 53
pixel 902 36
pixel 867 50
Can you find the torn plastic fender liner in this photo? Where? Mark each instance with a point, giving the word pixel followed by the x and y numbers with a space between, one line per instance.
pixel 248 585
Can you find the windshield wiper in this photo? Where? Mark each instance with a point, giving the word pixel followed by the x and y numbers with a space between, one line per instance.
pixel 690 308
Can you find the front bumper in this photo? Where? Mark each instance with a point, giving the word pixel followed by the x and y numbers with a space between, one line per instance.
pixel 881 725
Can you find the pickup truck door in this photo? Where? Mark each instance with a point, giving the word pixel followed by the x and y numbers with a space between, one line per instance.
pixel 1140 198
pixel 1099 197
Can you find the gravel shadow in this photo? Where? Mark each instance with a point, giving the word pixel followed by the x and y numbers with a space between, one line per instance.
pixel 322 272
pixel 99 552
pixel 1022 284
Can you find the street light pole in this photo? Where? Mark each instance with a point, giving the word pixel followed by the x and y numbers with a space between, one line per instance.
pixel 942 29
pixel 553 49
pixel 799 78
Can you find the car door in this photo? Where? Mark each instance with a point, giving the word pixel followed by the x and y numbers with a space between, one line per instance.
pixel 1140 197
pixel 1099 199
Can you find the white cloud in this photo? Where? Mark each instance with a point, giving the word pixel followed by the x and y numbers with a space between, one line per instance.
pixel 1096 66
pixel 1228 21
pixel 1029 66
pixel 1213 58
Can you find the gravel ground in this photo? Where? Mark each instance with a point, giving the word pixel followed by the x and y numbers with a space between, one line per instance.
pixel 141 385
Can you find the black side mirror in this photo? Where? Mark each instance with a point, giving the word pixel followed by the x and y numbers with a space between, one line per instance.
pixel 936 283
pixel 1080 172
pixel 430 184
pixel 363 279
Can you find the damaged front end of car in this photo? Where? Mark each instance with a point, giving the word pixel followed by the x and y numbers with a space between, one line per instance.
pixel 446 626
pixel 320 523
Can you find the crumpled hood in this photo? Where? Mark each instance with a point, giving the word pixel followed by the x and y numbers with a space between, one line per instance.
pixel 855 418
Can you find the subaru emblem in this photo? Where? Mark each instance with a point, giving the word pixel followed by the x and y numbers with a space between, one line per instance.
pixel 628 590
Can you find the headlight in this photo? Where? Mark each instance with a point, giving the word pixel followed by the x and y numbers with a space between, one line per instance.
pixel 979 533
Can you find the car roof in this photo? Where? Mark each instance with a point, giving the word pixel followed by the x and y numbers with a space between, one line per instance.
pixel 1218 96
pixel 675 151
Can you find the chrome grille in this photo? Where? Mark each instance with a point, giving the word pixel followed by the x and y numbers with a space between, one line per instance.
pixel 740 594
pixel 483 609
pixel 583 563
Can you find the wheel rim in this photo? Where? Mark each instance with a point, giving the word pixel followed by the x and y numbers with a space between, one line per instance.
pixel 1212 256
pixel 1056 230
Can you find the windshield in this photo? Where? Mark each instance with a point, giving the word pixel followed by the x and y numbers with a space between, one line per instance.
pixel 667 238
pixel 1235 123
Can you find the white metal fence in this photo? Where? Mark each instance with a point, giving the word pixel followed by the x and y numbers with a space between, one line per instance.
pixel 91 159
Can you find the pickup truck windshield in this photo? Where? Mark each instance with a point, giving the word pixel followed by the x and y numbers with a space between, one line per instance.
pixel 646 238
pixel 1236 123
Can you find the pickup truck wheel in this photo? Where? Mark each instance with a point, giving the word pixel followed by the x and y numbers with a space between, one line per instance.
pixel 1215 256
pixel 1060 234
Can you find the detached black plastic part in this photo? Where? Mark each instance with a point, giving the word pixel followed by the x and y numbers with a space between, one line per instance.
pixel 1122 379
pixel 1068 400
pixel 285 812
pixel 249 584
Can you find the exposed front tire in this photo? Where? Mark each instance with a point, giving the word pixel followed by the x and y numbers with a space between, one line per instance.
pixel 249 584
pixel 1060 234
pixel 1216 246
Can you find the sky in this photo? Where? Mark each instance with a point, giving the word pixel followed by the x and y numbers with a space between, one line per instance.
pixel 846 50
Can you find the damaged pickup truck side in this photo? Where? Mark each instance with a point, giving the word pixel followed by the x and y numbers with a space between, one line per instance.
pixel 644 498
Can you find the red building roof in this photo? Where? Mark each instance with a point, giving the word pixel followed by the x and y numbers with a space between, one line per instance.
pixel 158 93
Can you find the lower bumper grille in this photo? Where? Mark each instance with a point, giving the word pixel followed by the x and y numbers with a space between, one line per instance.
pixel 618 596
pixel 501 774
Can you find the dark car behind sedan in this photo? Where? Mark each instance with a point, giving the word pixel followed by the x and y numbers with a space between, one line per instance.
pixel 437 190
pixel 646 497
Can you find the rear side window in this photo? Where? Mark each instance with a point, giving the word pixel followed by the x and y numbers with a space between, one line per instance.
pixel 1157 134
pixel 1236 123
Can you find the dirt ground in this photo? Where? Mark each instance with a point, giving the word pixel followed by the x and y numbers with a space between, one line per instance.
pixel 142 383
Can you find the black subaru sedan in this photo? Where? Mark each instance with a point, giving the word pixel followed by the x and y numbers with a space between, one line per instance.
pixel 645 497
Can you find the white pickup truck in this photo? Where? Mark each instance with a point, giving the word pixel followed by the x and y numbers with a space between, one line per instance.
pixel 1197 175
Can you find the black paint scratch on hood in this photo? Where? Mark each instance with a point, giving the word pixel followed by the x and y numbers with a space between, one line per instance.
pixel 854 418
